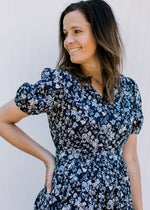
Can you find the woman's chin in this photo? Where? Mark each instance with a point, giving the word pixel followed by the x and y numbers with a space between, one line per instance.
pixel 77 61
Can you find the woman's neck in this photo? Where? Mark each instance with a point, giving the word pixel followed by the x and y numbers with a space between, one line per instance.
pixel 94 70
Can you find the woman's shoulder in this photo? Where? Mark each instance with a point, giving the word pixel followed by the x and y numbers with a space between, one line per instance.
pixel 128 83
pixel 130 89
pixel 57 73
pixel 59 78
pixel 127 80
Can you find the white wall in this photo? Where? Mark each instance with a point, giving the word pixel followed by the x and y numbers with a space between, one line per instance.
pixel 28 43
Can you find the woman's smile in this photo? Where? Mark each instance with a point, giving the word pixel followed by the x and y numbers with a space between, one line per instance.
pixel 73 50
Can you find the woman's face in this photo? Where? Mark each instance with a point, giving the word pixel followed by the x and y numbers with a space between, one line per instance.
pixel 79 39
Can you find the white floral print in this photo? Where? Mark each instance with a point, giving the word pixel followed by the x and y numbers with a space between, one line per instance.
pixel 89 136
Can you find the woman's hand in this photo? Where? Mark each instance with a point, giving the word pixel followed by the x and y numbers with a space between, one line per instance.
pixel 50 166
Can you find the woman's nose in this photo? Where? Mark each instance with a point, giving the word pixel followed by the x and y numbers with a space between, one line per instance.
pixel 69 39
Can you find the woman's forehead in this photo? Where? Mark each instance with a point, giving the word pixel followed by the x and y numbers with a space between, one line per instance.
pixel 74 19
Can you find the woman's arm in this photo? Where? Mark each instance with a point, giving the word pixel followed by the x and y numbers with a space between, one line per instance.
pixel 131 159
pixel 11 114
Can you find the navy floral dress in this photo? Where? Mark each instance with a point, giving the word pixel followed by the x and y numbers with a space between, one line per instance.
pixel 89 136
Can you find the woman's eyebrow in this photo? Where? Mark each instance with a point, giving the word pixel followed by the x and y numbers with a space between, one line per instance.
pixel 76 26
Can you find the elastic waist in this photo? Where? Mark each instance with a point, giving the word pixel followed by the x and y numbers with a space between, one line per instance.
pixel 65 151
pixel 99 150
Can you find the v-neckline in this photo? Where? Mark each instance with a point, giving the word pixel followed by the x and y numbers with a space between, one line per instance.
pixel 96 91
pixel 90 87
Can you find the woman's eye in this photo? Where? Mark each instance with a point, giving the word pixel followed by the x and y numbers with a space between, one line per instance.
pixel 65 34
pixel 77 31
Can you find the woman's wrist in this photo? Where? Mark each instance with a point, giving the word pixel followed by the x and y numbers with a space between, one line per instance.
pixel 49 157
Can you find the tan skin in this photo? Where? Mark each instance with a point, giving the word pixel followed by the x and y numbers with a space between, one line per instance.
pixel 76 38
pixel 10 114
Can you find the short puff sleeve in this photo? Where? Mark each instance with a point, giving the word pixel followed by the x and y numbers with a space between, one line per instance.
pixel 137 109
pixel 42 96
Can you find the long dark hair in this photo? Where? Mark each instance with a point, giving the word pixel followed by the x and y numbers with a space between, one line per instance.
pixel 109 44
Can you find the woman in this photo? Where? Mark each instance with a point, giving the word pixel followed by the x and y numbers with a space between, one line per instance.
pixel 94 113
